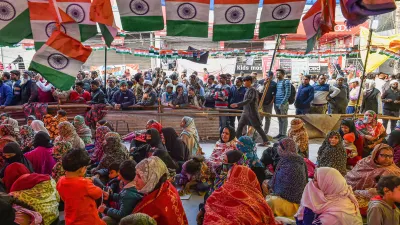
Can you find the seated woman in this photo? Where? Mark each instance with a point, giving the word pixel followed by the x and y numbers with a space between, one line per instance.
pixel 138 138
pixel 83 131
pixel 167 95
pixel 161 200
pixel 12 154
pixel 138 218
pixel 97 151
pixel 190 136
pixel 226 143
pixel 195 173
pixel 362 177
pixel 288 182
pixel 238 201
pixel 327 199
pixel 154 143
pixel 347 127
pixel 372 131
pixel 59 150
pixel 175 146
pixel 332 153
pixel 38 125
pixel 13 123
pixel 26 186
pixel 114 152
pixel 7 135
pixel 179 98
pixel 299 134
pixel 169 162
pixel 27 136
pixel 41 157
pixel 394 142
pixel 104 123
pixel 13 211
pixel 248 147
pixel 68 133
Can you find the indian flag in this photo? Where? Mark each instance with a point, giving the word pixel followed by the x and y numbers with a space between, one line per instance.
pixel 14 21
pixel 101 12
pixel 141 15
pixel 43 23
pixel 312 25
pixel 76 11
pixel 280 17
pixel 187 18
pixel 234 19
pixel 59 59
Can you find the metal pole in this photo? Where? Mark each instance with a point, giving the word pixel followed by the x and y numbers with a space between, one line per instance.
pixel 105 67
pixel 365 68
pixel 269 71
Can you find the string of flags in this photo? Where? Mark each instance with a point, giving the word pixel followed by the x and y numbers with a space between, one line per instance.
pixel 383 51
pixel 322 54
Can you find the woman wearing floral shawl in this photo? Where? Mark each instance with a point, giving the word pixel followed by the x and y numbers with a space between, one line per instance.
pixel 299 134
pixel 59 150
pixel 98 144
pixel 67 132
pixel 114 151
pixel 332 153
pixel 27 135
pixel 83 131
pixel 190 136
pixel 372 131
pixel 7 135
pixel 13 123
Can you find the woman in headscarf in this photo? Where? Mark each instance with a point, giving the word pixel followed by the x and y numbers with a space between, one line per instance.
pixel 68 133
pixel 98 144
pixel 372 131
pixel 238 201
pixel 27 135
pixel 7 135
pixel 36 190
pixel 347 127
pixel 83 131
pixel 137 219
pixel 169 162
pixel 14 211
pixel 299 134
pixel 371 100
pixel 247 146
pixel 154 143
pixel 13 123
pixel 41 157
pixel 114 152
pixel 195 173
pixel 161 200
pixel 362 177
pixel 175 146
pixel 59 150
pixel 190 136
pixel 226 143
pixel 394 142
pixel 30 119
pixel 332 153
pixel 288 181
pixel 138 138
pixel 12 153
pixel 38 125
pixel 328 200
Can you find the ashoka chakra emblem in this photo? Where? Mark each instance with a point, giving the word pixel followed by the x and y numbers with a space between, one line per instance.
pixel 235 14
pixel 187 11
pixel 7 11
pixel 57 61
pixel 317 21
pixel 76 12
pixel 51 27
pixel 139 7
pixel 281 11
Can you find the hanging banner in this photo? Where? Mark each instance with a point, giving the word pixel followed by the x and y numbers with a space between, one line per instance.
pixel 247 69
pixel 286 64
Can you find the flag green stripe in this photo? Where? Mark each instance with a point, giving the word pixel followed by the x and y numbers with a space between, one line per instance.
pixel 57 79
pixel 278 27
pixel 228 32
pixel 87 31
pixel 38 45
pixel 18 29
pixel 142 23
pixel 311 42
pixel 187 28
pixel 108 38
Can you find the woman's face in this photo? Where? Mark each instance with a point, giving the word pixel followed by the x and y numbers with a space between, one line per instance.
pixel 8 155
pixel 369 117
pixel 385 157
pixel 333 140
pixel 23 132
pixel 29 122
pixel 77 122
pixel 139 182
pixel 183 123
pixel 345 129
pixel 148 124
pixel 148 136
pixel 225 135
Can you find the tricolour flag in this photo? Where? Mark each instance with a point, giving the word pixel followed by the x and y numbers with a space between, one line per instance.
pixel 234 19
pixel 101 12
pixel 14 21
pixel 187 18
pixel 43 23
pixel 59 59
pixel 141 15
pixel 280 17
pixel 76 11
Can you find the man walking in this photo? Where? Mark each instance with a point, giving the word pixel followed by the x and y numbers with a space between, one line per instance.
pixel 305 95
pixel 391 106
pixel 321 95
pixel 283 90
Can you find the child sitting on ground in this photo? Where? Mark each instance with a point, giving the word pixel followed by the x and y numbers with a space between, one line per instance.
pixel 382 209
pixel 77 192
pixel 113 182
pixel 127 199
pixel 195 172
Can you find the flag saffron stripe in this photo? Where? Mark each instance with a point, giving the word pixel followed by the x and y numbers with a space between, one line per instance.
pixel 40 11
pixel 63 43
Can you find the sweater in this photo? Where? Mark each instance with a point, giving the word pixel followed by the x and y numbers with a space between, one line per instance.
pixel 269 97
pixel 322 91
pixel 221 95
pixel 305 95
pixel 75 96
pixel 394 96
pixel 127 199
pixel 236 94
pixel 16 88
pixel 98 97
pixel 283 90
pixel 6 95
pixel 125 99
pixel 29 92
pixel 380 213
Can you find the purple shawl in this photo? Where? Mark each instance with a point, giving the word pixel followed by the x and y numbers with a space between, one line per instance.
pixel 41 159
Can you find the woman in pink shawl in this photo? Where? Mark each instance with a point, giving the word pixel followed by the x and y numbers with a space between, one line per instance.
pixel 328 200
pixel 41 157
pixel 98 144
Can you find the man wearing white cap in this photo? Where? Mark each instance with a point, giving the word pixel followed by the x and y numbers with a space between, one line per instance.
pixel 354 95
pixel 149 95
pixel 339 102
pixel 391 106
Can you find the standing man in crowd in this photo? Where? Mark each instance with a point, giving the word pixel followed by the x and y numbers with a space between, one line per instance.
pixel 268 103
pixel 322 96
pixel 6 95
pixel 380 81
pixel 339 103
pixel 354 95
pixel 305 95
pixel 29 89
pixel 209 90
pixel 139 86
pixel 7 79
pixel 16 87
pixel 283 89
pixel 236 95
pixel 221 99
pixel 391 106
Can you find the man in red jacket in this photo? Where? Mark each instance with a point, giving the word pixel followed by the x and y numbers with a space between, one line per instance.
pixel 79 95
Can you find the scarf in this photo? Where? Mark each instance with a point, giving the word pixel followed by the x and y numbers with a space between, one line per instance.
pixel 14 171
pixel 217 156
pixel 369 87
pixel 13 123
pixel 27 135
pixel 333 156
pixel 299 134
pixel 42 139
pixel 138 219
pixel 370 126
pixel 81 129
pixel 190 130
pixel 150 171
pixel 114 152
pixel 175 145
pixel 98 145
pixel 155 141
pixel 8 130
pixel 329 194
pixel 37 126
pixel 247 146
pixel 19 157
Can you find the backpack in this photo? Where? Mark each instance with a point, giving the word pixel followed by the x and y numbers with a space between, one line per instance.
pixel 292 96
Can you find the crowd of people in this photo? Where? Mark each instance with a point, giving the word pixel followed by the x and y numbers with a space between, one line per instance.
pixel 89 173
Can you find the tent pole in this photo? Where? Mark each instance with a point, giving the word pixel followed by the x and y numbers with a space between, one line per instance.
pixel 105 67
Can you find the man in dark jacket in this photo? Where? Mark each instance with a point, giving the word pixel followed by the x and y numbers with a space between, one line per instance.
pixel 112 88
pixel 7 79
pixel 391 106
pixel 149 95
pixel 209 90
pixel 16 87
pixel 123 98
pixel 29 91
pixel 268 103
pixel 339 103
pixel 305 95
pixel 236 95
pixel 98 96
pixel 6 95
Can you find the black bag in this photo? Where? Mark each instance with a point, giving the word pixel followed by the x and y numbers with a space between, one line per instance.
pixel 292 96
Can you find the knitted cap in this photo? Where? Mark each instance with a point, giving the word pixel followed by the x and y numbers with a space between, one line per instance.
pixel 350 137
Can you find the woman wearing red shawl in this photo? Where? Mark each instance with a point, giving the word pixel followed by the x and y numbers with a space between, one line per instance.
pixel 138 138
pixel 161 200
pixel 371 130
pixel 362 177
pixel 238 201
